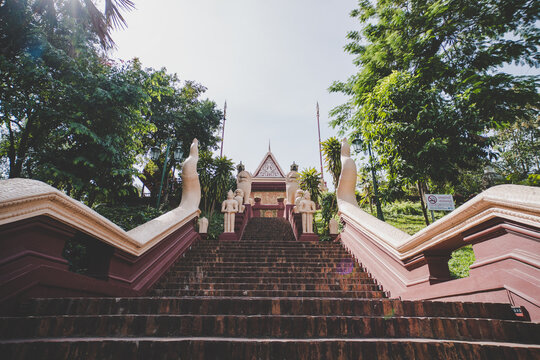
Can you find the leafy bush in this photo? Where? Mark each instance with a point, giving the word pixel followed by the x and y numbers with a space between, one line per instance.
pixel 329 207
pixel 128 217
pixel 533 180
pixel 320 226
pixel 215 224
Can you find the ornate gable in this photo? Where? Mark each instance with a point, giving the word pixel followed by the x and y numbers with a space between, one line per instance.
pixel 269 168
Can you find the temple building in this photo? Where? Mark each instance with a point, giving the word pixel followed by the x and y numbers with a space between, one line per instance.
pixel 268 182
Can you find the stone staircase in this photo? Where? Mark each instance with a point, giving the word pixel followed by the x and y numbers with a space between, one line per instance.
pixel 265 297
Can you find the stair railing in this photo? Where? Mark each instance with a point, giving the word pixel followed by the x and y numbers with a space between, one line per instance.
pixel 37 221
pixel 502 224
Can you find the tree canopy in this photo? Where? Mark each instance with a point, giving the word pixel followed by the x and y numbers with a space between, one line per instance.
pixel 432 84
pixel 78 120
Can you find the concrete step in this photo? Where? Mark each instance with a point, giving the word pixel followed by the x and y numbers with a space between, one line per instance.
pixel 275 273
pixel 283 287
pixel 269 293
pixel 269 326
pixel 387 308
pixel 241 348
pixel 346 280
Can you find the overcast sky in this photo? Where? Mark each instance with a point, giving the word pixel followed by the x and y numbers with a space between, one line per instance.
pixel 271 60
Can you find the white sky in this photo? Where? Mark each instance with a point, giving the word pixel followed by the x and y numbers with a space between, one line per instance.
pixel 271 60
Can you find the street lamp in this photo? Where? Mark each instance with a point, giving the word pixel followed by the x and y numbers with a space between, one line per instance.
pixel 154 155
pixel 357 146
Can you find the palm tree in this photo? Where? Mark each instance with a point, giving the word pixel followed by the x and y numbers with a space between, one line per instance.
pixel 101 22
pixel 331 149
pixel 310 180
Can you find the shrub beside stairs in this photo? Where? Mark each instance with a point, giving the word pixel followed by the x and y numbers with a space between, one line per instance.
pixel 265 297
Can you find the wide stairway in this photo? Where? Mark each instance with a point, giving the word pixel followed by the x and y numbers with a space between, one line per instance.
pixel 265 297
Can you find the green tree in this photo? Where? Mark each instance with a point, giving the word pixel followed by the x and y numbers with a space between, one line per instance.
pixel 430 84
pixel 216 178
pixel 329 209
pixel 79 121
pixel 87 14
pixel 518 147
pixel 310 180
pixel 179 114
pixel 365 187
pixel 57 92
pixel 331 149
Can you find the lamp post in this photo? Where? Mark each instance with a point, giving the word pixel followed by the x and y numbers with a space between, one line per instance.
pixel 357 145
pixel 154 155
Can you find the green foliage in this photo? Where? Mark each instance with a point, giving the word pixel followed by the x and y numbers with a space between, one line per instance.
pixel 128 217
pixel 215 224
pixel 310 180
pixel 328 210
pixel 533 180
pixel 429 86
pixel 87 13
pixel 331 149
pixel 177 113
pixel 216 178
pixel 461 261
pixel 404 208
pixel 320 227
pixel 79 121
pixel 518 147
pixel 73 119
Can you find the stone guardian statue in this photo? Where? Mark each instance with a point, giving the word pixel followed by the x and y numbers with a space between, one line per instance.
pixel 243 182
pixel 239 197
pixel 299 195
pixel 291 184
pixel 229 207
pixel 307 209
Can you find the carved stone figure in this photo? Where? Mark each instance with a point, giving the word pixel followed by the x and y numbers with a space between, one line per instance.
pixel 203 225
pixel 243 182
pixel 291 186
pixel 298 197
pixel 239 197
pixel 333 226
pixel 230 208
pixel 307 208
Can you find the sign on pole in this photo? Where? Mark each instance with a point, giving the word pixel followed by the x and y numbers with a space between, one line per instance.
pixel 440 202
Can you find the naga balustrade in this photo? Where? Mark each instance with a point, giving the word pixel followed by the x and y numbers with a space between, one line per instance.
pixel 502 224
pixel 37 221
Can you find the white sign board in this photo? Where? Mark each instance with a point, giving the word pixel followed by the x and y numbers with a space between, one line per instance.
pixel 440 202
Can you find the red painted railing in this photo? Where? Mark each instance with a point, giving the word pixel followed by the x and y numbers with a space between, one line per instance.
pixel 502 224
pixel 32 263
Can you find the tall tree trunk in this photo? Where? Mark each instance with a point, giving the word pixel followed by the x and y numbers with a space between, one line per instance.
pixel 421 193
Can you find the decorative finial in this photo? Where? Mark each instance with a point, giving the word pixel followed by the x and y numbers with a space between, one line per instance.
pixel 294 166
pixel 269 146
